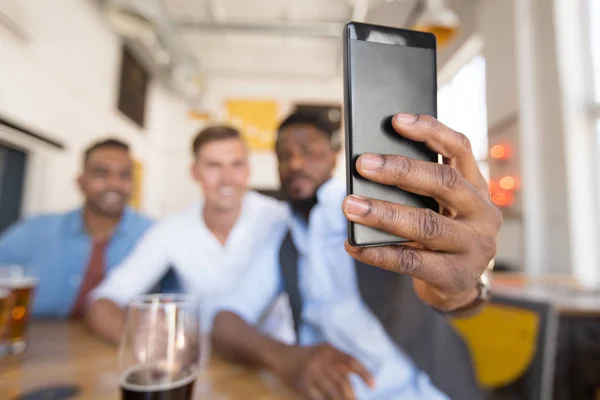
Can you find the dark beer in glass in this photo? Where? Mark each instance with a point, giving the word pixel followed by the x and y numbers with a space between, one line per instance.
pixel 159 355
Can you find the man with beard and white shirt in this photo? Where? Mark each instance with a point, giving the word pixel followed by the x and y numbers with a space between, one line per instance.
pixel 70 253
pixel 208 246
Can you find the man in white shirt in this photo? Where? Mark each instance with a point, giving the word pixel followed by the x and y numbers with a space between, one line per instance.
pixel 208 245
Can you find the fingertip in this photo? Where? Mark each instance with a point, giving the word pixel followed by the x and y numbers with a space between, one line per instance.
pixel 405 118
pixel 370 381
pixel 369 162
pixel 351 249
pixel 406 126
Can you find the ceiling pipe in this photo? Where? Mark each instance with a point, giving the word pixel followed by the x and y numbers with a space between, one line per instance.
pixel 145 26
pixel 322 29
pixel 13 27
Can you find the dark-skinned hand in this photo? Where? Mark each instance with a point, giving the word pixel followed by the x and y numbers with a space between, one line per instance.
pixel 450 249
pixel 320 372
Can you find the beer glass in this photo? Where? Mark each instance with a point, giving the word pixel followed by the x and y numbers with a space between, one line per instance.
pixel 159 353
pixel 22 288
pixel 5 311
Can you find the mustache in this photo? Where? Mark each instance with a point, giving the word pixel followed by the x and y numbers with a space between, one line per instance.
pixel 299 174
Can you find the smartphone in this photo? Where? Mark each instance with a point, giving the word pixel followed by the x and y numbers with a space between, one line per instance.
pixel 386 71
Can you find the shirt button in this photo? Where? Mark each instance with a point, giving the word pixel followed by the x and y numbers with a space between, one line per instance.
pixel 74 280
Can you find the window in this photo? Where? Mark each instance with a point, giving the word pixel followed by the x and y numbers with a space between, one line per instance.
pixel 594 24
pixel 462 106
pixel 133 87
pixel 12 178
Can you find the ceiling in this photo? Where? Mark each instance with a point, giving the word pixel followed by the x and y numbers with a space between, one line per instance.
pixel 275 38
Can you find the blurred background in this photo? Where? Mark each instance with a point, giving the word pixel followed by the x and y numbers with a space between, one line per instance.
pixel 520 78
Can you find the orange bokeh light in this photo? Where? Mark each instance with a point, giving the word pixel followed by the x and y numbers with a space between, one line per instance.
pixel 499 151
pixel 500 199
pixel 503 199
pixel 508 183
pixel 494 186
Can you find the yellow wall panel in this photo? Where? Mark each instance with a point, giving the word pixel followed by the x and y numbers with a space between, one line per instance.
pixel 138 180
pixel 257 121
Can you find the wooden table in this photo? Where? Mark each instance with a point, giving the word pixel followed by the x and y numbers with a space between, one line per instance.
pixel 567 296
pixel 65 353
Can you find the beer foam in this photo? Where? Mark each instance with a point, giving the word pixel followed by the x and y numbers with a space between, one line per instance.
pixel 154 387
pixel 21 282
pixel 4 293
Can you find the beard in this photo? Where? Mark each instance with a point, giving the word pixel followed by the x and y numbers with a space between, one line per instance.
pixel 110 211
pixel 303 206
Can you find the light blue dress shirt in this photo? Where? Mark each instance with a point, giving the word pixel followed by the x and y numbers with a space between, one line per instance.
pixel 56 249
pixel 333 310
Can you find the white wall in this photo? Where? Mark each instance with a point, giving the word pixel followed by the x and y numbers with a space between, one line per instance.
pixel 62 81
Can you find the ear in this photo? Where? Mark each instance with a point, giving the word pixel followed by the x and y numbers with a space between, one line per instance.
pixel 79 181
pixel 334 158
pixel 194 170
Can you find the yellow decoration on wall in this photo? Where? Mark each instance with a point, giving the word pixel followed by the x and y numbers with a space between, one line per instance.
pixel 257 121
pixel 138 178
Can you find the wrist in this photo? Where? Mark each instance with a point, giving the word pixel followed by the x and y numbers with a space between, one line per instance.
pixel 468 306
pixel 464 299
pixel 277 357
pixel 476 299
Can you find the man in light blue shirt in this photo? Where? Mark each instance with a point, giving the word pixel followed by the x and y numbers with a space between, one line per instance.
pixel 70 253
pixel 350 347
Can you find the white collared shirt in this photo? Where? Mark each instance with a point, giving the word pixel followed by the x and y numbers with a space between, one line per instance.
pixel 206 268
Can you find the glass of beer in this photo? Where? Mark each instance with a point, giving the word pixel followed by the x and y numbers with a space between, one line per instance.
pixel 22 288
pixel 5 311
pixel 159 354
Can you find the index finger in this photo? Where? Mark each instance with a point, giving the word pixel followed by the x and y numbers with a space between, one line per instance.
pixel 452 145
pixel 355 366
pixel 340 379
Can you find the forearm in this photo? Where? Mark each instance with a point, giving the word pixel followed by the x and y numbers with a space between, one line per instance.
pixel 236 340
pixel 106 319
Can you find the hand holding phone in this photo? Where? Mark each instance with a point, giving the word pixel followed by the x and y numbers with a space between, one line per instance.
pixel 395 179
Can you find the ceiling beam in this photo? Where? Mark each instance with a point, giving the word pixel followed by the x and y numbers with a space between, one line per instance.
pixel 13 27
pixel 414 15
pixel 326 29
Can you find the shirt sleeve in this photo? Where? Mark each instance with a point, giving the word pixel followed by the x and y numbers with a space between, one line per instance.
pixel 260 284
pixel 14 243
pixel 140 271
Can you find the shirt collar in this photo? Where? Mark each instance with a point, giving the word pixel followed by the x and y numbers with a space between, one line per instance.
pixel 332 190
pixel 76 224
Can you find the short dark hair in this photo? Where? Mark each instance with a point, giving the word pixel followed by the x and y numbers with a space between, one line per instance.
pixel 312 119
pixel 306 118
pixel 213 134
pixel 104 143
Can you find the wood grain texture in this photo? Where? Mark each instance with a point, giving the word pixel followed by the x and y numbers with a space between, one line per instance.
pixel 65 353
